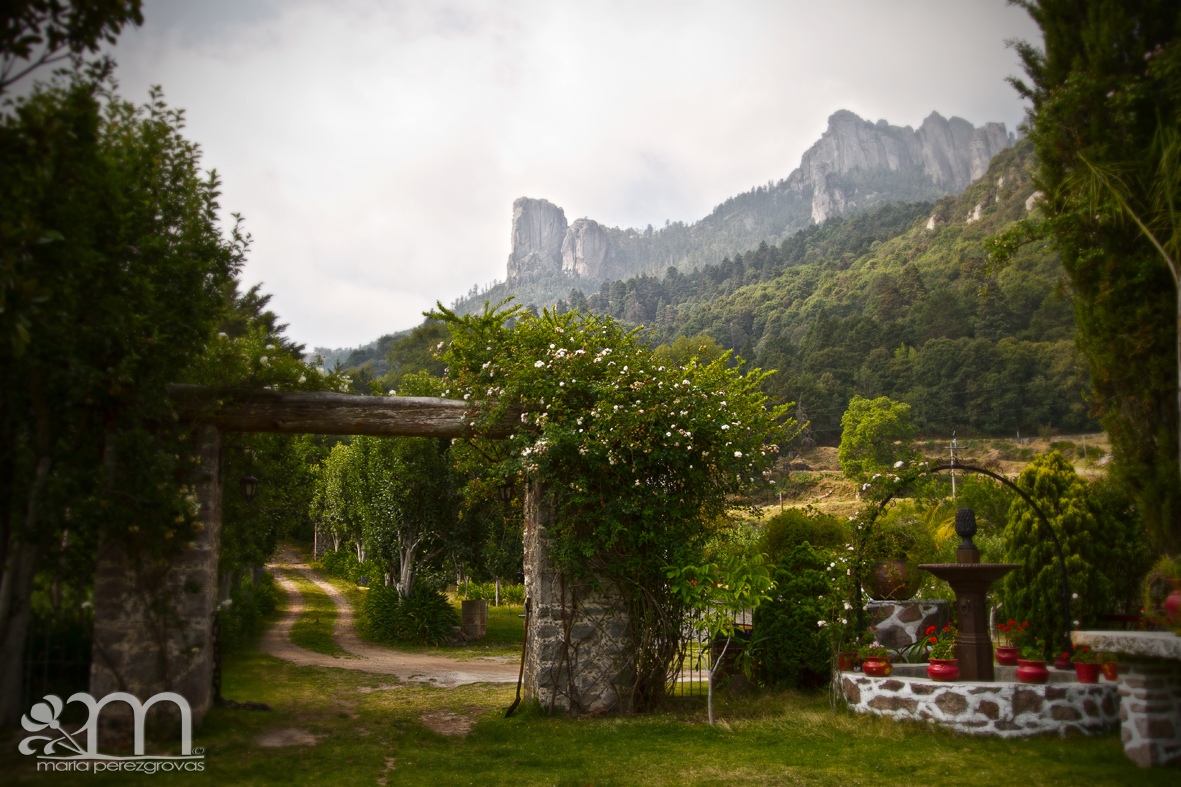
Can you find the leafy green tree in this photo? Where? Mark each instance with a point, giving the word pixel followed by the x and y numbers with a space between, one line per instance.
pixel 1104 120
pixel 875 434
pixel 35 33
pixel 395 498
pixel 111 268
pixel 412 354
pixel 701 347
pixel 1099 549
pixel 716 593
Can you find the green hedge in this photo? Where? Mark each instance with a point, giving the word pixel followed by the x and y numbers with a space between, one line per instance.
pixel 790 648
pixel 425 618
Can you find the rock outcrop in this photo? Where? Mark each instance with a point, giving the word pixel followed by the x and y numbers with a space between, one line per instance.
pixel 854 167
pixel 586 250
pixel 949 153
pixel 539 227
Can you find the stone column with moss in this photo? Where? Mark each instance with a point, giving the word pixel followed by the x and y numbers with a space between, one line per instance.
pixel 153 620
pixel 579 657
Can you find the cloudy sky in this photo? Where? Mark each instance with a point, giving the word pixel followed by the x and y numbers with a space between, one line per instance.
pixel 375 147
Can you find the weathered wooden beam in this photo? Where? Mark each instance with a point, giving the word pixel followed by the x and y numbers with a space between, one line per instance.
pixel 330 413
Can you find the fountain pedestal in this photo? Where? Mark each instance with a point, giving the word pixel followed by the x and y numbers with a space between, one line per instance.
pixel 970 580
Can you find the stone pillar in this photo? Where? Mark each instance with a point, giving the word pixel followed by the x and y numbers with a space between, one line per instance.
pixel 1150 711
pixel 578 654
pixel 153 624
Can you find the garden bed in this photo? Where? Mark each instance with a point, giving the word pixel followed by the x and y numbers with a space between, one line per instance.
pixel 999 709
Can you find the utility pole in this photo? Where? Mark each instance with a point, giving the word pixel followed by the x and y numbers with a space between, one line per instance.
pixel 953 447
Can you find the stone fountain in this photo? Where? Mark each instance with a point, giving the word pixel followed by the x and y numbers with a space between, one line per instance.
pixel 970 579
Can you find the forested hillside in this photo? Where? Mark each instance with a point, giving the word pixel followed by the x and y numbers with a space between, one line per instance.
pixel 896 302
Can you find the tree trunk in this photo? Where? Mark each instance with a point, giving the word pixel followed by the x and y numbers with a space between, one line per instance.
pixel 23 559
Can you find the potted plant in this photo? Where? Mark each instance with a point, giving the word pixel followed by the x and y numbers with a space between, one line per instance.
pixel 1086 664
pixel 1009 638
pixel 941 654
pixel 1108 663
pixel 1162 591
pixel 1031 667
pixel 875 659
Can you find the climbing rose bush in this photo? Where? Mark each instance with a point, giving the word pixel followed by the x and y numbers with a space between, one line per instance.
pixel 640 455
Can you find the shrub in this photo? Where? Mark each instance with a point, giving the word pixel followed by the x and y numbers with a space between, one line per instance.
pixel 343 564
pixel 509 594
pixel 790 648
pixel 425 618
pixel 250 605
pixel 1102 543
pixel 788 529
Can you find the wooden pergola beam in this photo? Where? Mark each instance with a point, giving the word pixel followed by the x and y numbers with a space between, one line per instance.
pixel 263 410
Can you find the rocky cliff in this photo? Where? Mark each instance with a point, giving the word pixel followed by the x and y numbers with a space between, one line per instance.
pixel 854 167
pixel 539 229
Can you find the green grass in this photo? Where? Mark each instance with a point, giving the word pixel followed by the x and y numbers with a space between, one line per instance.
pixel 367 735
pixel 313 630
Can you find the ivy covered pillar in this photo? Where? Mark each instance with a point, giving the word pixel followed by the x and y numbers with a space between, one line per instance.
pixel 153 619
pixel 579 655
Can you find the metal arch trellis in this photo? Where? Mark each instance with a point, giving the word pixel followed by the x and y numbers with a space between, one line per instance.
pixel 1041 518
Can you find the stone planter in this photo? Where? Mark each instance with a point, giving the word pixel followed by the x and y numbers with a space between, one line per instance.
pixel 1008 656
pixel 1087 673
pixel 946 670
pixel 1032 671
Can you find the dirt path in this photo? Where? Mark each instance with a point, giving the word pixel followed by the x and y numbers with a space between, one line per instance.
pixel 421 667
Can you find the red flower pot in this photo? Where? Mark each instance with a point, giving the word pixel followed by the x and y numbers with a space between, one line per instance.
pixel 847 660
pixel 1087 673
pixel 1172 605
pixel 1063 662
pixel 1032 671
pixel 1110 670
pixel 876 667
pixel 1007 656
pixel 943 669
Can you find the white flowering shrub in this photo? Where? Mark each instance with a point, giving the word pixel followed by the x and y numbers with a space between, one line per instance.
pixel 641 457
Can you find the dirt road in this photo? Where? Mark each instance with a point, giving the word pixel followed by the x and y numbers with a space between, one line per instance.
pixel 437 670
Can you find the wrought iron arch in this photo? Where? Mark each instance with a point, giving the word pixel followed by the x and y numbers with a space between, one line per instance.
pixel 1045 523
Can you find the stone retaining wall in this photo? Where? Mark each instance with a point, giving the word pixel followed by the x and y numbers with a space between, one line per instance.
pixel 899 624
pixel 1005 710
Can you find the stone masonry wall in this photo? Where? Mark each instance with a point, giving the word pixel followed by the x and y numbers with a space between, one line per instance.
pixel 901 623
pixel 1005 710
pixel 152 626
pixel 578 650
pixel 1150 710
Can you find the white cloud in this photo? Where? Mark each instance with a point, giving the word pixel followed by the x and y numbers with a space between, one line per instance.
pixel 375 148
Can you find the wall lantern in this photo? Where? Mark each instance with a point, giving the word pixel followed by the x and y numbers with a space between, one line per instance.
pixel 249 486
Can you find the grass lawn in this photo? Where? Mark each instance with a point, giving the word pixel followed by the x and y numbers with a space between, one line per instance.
pixel 370 729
